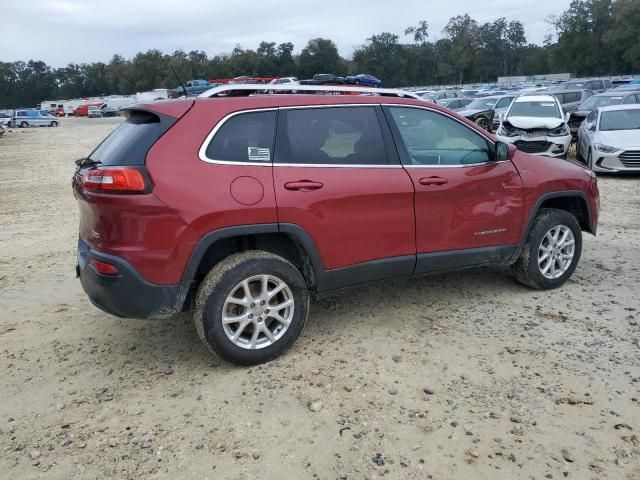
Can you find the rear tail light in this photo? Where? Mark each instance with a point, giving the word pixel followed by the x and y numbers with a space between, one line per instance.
pixel 115 180
pixel 103 268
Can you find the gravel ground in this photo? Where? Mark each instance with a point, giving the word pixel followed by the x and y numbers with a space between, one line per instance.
pixel 460 376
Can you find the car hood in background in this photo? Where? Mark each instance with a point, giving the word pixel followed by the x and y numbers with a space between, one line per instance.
pixel 529 123
pixel 619 138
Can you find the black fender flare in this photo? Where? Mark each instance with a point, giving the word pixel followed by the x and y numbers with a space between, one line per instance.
pixel 534 213
pixel 296 232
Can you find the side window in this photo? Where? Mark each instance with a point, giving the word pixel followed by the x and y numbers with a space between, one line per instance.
pixel 431 138
pixel 504 102
pixel 629 99
pixel 571 97
pixel 561 97
pixel 607 84
pixel 331 135
pixel 246 137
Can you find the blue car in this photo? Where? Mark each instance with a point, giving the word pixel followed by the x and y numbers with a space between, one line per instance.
pixel 362 79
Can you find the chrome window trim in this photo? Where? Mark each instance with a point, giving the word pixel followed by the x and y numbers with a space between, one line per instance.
pixel 202 153
pixel 203 148
pixel 461 123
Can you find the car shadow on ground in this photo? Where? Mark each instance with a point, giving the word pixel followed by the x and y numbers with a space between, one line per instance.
pixel 174 341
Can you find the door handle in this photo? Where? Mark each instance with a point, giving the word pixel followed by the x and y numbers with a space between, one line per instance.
pixel 303 185
pixel 433 181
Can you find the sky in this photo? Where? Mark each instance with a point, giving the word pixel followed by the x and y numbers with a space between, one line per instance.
pixel 76 31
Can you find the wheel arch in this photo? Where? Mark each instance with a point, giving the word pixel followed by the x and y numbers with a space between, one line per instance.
pixel 575 202
pixel 289 241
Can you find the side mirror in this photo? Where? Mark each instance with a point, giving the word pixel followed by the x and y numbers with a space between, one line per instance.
pixel 502 152
pixel 591 126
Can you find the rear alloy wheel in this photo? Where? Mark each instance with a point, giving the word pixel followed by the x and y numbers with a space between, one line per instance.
pixel 552 250
pixel 251 307
pixel 482 123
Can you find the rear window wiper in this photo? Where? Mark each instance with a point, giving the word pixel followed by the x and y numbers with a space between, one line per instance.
pixel 87 162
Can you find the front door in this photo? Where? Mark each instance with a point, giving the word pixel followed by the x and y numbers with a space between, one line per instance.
pixel 469 208
pixel 337 176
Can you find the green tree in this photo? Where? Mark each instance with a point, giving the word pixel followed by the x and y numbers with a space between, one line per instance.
pixel 320 56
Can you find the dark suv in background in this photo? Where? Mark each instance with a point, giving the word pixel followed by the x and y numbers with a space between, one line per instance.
pixel 242 208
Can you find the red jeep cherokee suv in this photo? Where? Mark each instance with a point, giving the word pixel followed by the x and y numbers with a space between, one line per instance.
pixel 243 207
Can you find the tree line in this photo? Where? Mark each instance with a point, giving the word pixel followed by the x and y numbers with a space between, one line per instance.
pixel 592 37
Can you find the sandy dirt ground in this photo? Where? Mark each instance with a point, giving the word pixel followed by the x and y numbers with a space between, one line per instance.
pixel 460 376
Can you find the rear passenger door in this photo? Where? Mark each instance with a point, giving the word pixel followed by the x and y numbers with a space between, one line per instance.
pixel 338 177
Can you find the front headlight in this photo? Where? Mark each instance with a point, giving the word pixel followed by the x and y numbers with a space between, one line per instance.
pixel 562 131
pixel 605 148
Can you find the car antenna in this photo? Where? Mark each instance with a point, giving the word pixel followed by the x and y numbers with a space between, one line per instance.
pixel 184 89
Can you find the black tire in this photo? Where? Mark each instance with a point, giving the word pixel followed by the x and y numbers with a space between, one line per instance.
pixel 590 160
pixel 24 124
pixel 483 123
pixel 219 284
pixel 54 124
pixel 526 269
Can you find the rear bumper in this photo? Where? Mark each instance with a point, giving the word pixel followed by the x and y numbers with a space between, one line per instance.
pixel 127 294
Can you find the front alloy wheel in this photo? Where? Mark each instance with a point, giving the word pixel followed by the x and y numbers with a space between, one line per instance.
pixel 551 252
pixel 556 252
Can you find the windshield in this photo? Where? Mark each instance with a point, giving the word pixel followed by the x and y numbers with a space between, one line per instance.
pixel 544 109
pixel 482 104
pixel 596 102
pixel 620 120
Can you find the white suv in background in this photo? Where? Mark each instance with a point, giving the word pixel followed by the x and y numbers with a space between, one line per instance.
pixel 536 124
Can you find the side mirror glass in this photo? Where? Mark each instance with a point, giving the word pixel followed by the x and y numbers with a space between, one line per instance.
pixel 502 152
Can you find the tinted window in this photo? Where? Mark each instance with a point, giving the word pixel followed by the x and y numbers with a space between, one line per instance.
pixel 629 99
pixel 129 143
pixel 431 138
pixel 597 101
pixel 334 135
pixel 571 97
pixel 247 137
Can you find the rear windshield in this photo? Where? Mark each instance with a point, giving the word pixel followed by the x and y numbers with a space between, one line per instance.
pixel 620 120
pixel 543 109
pixel 129 143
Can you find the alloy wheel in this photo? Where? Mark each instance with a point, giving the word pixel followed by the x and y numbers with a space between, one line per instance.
pixel 258 312
pixel 556 252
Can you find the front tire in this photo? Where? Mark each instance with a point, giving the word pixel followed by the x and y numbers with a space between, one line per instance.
pixel 552 250
pixel 483 123
pixel 24 124
pixel 251 307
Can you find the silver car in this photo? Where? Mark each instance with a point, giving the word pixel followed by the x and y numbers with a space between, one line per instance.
pixel 609 139
pixel 33 118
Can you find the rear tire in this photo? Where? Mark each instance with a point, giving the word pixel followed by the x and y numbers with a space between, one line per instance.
pixel 530 267
pixel 53 124
pixel 24 124
pixel 235 289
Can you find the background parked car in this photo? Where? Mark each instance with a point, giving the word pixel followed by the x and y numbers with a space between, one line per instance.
pixel 536 124
pixel 570 99
pixel 363 79
pixel 598 85
pixel 33 118
pixel 611 97
pixel 193 88
pixel 94 111
pixel 608 139
pixel 455 103
pixel 482 111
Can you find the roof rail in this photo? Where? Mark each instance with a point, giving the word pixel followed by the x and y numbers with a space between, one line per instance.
pixel 248 89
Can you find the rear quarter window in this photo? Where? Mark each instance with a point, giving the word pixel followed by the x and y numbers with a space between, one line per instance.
pixel 129 143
